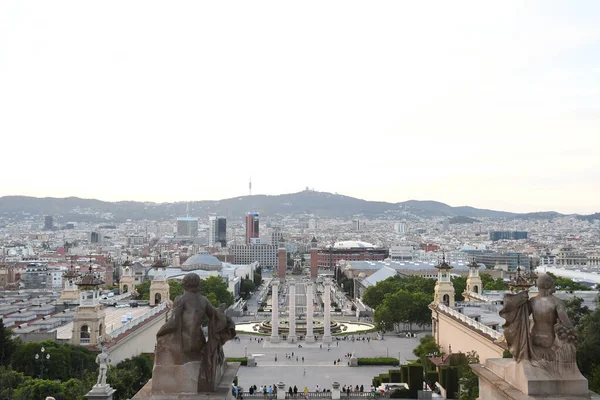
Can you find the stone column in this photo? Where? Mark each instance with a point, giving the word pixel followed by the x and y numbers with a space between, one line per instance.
pixel 281 391
pixel 310 337
pixel 275 311
pixel 292 312
pixel 335 391
pixel 327 311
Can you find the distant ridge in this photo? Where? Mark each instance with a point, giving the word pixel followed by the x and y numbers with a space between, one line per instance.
pixel 321 204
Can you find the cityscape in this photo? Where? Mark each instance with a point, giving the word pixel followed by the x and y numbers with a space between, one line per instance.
pixel 299 200
pixel 291 283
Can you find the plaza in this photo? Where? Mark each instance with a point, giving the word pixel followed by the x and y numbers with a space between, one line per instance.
pixel 318 361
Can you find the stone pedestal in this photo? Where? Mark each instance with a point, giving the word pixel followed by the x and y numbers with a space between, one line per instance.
pixel 327 311
pixel 100 392
pixel 222 392
pixel 251 362
pixel 281 391
pixel 504 378
pixel 310 337
pixel 353 361
pixel 275 311
pixel 292 338
pixel 335 391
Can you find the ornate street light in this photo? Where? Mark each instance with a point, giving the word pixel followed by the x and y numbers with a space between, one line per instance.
pixel 41 359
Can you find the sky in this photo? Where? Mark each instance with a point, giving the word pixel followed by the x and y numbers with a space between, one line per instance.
pixel 489 104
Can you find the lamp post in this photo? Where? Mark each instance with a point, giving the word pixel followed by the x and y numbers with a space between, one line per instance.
pixel 41 358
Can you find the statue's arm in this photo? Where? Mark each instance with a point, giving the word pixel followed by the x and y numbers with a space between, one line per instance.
pixel 561 311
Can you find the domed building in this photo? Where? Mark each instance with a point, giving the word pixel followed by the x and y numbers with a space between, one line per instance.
pixel 204 262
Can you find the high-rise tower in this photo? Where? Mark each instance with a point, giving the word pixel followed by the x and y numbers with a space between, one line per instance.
pixel 217 231
pixel 252 228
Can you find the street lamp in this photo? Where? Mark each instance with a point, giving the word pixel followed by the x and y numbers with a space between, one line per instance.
pixel 41 358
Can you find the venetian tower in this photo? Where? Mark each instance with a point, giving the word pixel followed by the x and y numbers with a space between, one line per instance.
pixel 70 291
pixel 314 265
pixel 474 283
pixel 159 287
pixel 89 328
pixel 444 290
pixel 126 282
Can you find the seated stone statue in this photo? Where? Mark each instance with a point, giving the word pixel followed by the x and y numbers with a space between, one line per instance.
pixel 182 348
pixel 549 341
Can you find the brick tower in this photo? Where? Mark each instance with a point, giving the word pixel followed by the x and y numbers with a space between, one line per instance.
pixel 282 259
pixel 314 265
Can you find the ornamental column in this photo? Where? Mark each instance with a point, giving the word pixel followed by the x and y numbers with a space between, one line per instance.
pixel 292 312
pixel 327 311
pixel 310 337
pixel 275 311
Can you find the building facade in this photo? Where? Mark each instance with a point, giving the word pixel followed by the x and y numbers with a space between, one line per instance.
pixel 264 254
pixel 350 251
pixel 252 228
pixel 507 235
pixel 217 231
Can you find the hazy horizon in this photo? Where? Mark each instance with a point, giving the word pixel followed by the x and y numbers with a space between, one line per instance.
pixel 490 105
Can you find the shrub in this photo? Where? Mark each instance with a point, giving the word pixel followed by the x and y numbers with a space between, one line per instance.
pixel 385 378
pixel 415 380
pixel 242 360
pixel 400 394
pixel 376 381
pixel 395 375
pixel 378 361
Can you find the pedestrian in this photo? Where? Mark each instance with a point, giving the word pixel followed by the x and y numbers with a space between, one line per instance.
pixel 295 391
pixel 302 359
pixel 296 358
pixel 291 391
pixel 362 388
pixel 304 371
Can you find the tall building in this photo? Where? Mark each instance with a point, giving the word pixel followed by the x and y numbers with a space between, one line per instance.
pixel 264 254
pixel 95 237
pixel 252 228
pixel 187 227
pixel 48 223
pixel 217 231
pixel 356 225
pixel 400 227
pixel 276 234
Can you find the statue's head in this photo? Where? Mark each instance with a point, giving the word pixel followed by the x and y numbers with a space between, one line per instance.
pixel 191 283
pixel 545 284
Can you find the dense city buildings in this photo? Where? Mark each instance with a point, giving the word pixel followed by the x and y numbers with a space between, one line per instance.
pixel 507 235
pixel 187 227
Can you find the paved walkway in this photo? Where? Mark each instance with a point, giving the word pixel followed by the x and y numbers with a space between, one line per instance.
pixel 318 362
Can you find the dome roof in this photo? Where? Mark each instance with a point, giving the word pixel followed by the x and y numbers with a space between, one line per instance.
pixel 202 261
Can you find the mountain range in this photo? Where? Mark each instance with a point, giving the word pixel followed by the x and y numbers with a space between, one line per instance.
pixel 320 204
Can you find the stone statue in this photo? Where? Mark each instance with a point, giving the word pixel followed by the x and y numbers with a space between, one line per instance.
pixel 549 341
pixel 103 361
pixel 182 350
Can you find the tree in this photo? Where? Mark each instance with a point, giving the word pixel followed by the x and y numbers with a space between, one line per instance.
pixel 216 285
pixel 258 276
pixel 576 310
pixel 469 382
pixel 290 260
pixel 143 290
pixel 175 289
pixel 493 284
pixel 427 345
pixel 10 381
pixel 38 389
pixel 561 283
pixel 246 288
pixel 460 285
pixel 8 345
pixel 588 347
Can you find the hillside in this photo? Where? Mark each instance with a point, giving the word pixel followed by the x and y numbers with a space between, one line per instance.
pixel 321 204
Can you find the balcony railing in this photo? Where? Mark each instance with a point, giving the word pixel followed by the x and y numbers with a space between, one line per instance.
pixel 470 321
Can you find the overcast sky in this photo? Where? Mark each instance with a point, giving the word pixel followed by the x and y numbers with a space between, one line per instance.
pixel 488 104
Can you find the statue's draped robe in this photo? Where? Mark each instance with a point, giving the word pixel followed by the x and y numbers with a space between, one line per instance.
pixel 220 329
pixel 516 328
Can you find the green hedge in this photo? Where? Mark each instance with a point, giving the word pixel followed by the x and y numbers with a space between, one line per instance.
pixel 400 394
pixel 376 381
pixel 243 360
pixel 433 376
pixel 395 375
pixel 378 361
pixel 415 380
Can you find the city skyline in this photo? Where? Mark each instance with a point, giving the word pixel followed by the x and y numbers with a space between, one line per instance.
pixel 493 106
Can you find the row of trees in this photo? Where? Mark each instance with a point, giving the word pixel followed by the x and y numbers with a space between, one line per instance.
pixel 69 374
